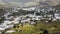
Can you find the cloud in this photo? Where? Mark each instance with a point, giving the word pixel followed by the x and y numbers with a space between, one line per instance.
pixel 31 3
pixel 23 4
pixel 1 2
pixel 26 2
pixel 17 4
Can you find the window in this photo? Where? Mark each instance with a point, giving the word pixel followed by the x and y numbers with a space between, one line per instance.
pixel 38 14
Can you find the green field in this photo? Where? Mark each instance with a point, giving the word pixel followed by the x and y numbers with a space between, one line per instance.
pixel 52 28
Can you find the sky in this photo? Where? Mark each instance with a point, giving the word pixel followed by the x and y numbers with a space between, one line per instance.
pixel 18 2
pixel 26 2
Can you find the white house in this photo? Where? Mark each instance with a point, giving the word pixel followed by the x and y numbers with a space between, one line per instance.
pixel 38 17
pixel 11 22
pixel 26 20
pixel 5 26
pixel 54 19
pixel 2 29
pixel 29 8
pixel 10 31
pixel 9 26
pixel 57 16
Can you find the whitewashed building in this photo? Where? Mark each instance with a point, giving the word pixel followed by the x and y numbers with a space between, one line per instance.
pixel 57 16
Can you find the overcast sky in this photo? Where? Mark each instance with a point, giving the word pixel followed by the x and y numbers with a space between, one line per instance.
pixel 17 0
pixel 26 2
